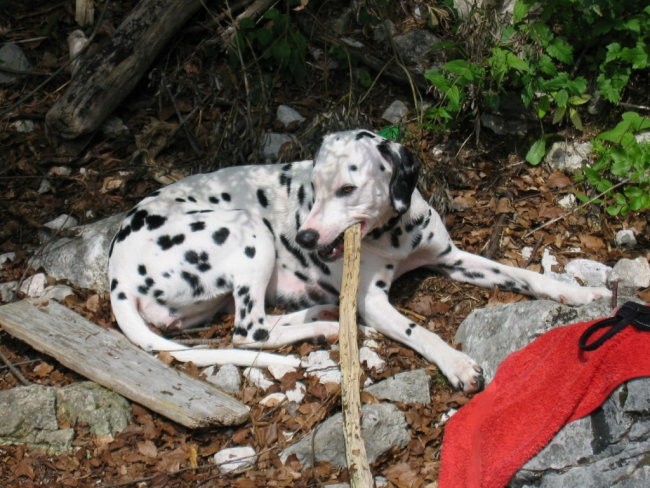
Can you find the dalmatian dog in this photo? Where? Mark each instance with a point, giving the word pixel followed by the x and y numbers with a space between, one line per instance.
pixel 273 235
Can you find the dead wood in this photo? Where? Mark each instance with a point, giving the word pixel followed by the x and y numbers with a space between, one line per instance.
pixel 108 358
pixel 355 449
pixel 106 76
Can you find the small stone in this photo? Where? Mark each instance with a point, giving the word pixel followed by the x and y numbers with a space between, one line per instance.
pixel 287 116
pixel 501 125
pixel 63 221
pixel 407 387
pixel 383 30
pixel 568 156
pixel 272 143
pixel 7 257
pixel 57 292
pixel 279 370
pixel 235 459
pixel 273 400
pixel 320 364
pixel 60 171
pixel 396 112
pixel 225 378
pixel 590 273
pixel 12 57
pixel 23 126
pixel 568 201
pixel 114 127
pixel 298 393
pixel 257 378
pixel 45 187
pixel 415 46
pixel 624 238
pixel 633 273
pixel 371 359
pixel 8 291
pixel 34 285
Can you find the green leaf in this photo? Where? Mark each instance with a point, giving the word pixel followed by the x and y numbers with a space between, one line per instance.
pixel 560 50
pixel 575 119
pixel 520 11
pixel 536 152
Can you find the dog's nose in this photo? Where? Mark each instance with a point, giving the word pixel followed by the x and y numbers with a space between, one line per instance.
pixel 307 238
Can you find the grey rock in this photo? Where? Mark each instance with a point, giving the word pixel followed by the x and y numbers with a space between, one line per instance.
pixel 29 418
pixel 625 238
pixel 631 273
pixel 8 291
pixel 406 387
pixel 607 448
pixel 590 273
pixel 396 112
pixel 488 335
pixel 643 137
pixel 415 46
pixel 226 378
pixel 105 412
pixel 272 143
pixel 383 30
pixel 12 57
pixel 503 125
pixel 82 260
pixel 568 156
pixel 383 427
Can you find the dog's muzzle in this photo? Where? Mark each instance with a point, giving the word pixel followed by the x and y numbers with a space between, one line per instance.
pixel 308 239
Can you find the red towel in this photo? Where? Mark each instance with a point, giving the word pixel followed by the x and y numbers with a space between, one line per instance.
pixel 536 391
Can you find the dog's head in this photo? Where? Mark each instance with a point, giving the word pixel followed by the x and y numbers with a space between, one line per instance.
pixel 358 177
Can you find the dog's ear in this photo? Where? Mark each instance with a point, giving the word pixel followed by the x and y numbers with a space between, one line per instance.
pixel 406 167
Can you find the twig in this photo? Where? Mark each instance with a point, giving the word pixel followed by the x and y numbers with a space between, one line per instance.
pixel 579 207
pixel 632 105
pixel 355 449
pixel 495 237
pixel 15 371
pixel 534 251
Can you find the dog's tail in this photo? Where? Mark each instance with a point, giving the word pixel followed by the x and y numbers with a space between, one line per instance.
pixel 134 327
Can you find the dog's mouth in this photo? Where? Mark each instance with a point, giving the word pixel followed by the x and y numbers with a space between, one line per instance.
pixel 334 250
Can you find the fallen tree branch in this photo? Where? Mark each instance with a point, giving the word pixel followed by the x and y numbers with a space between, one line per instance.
pixel 105 77
pixel 355 449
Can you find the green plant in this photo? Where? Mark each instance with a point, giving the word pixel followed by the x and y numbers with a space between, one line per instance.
pixel 622 167
pixel 276 41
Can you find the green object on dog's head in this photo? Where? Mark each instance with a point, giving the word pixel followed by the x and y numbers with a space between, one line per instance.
pixel 393 132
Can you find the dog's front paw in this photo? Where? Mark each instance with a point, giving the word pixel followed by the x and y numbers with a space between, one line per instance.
pixel 463 372
pixel 583 295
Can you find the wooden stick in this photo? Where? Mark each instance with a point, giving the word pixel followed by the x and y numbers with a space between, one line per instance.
pixel 355 449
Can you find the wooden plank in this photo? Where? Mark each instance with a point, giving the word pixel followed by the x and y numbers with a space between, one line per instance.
pixel 108 358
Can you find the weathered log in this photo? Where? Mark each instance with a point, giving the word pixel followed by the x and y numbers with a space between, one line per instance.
pixel 355 448
pixel 106 76
pixel 111 360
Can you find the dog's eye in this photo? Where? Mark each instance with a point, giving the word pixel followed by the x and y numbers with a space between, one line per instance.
pixel 345 190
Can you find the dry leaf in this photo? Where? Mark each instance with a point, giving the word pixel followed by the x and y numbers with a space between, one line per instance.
pixel 148 449
pixel 43 369
pixel 591 242
pixel 557 180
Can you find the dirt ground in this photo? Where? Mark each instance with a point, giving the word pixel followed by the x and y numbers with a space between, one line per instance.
pixel 491 198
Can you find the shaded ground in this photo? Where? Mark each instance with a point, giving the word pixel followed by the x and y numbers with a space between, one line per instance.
pixel 203 119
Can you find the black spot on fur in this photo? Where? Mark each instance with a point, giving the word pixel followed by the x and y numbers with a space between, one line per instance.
pixel 214 200
pixel 154 221
pixel 221 282
pixel 192 212
pixel 496 270
pixel 240 331
pixel 249 251
pixel 301 195
pixel 301 276
pixel 261 335
pixel 220 236
pixel 409 332
pixel 362 134
pixel 321 265
pixel 412 325
pixel 261 197
pixel 194 282
pixel 137 222
pixel 390 266
pixel 179 200
pixel 142 270
pixel 268 226
pixel 473 274
pixel 225 196
pixel 191 199
pixel 353 167
pixel 328 288
pixel 416 240
pixel 123 233
pixel 121 296
pixel 244 290
pixel 158 293
pixel 197 226
pixel 285 181
pixel 149 282
pixel 446 251
pixel 192 257
pixel 165 242
pixel 113 284
pixel 380 284
pixel 294 251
